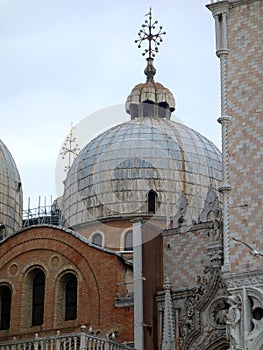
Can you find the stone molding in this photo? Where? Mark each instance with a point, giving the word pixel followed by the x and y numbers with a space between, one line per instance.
pixel 246 279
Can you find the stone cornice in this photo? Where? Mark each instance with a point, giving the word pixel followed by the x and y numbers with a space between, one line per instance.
pixel 217 8
pixel 221 6
pixel 236 3
pixel 188 228
pixel 236 281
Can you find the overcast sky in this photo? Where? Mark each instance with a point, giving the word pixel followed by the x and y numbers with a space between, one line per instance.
pixel 63 60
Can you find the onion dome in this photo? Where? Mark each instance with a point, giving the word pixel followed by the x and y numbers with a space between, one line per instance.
pixel 140 168
pixel 11 202
pixel 150 99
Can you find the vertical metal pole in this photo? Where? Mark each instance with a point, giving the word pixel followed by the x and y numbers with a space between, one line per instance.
pixel 39 202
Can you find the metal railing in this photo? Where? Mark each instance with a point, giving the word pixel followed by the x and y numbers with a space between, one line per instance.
pixel 73 341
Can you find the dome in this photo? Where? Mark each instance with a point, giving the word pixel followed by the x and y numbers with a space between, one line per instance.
pixel 141 168
pixel 150 98
pixel 150 93
pixel 115 173
pixel 11 201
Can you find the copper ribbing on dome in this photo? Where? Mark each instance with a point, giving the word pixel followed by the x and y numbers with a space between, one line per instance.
pixel 154 40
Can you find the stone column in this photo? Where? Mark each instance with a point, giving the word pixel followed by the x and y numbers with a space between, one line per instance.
pixel 138 285
pixel 220 11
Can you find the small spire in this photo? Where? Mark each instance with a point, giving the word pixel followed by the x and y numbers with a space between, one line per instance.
pixel 168 339
pixel 154 40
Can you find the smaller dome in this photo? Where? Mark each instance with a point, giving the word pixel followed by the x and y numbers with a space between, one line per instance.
pixel 150 93
pixel 150 99
pixel 11 201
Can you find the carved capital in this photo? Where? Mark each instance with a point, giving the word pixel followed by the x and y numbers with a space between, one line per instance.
pixel 222 53
pixel 219 7
pixel 224 119
pixel 225 188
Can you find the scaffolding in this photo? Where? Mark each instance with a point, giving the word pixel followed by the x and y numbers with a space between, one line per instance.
pixel 44 213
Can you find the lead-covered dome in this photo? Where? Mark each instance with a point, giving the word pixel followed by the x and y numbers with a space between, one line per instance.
pixel 116 172
pixel 11 202
pixel 141 168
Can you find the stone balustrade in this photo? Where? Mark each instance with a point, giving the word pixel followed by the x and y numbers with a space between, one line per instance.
pixel 73 341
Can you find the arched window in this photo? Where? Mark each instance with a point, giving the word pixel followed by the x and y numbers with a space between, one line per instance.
pixel 151 201
pixel 5 307
pixel 38 298
pixel 71 297
pixel 97 239
pixel 128 241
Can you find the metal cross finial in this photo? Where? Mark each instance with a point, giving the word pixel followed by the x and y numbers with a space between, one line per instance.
pixel 70 147
pixel 146 33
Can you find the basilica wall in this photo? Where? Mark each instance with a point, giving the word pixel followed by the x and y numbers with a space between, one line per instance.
pixel 245 95
pixel 78 283
pixel 185 254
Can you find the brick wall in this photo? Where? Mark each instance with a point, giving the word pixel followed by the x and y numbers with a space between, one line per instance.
pixel 245 106
pixel 185 256
pixel 56 252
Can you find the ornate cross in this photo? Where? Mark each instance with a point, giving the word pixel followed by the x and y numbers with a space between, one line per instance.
pixel 70 147
pixel 146 33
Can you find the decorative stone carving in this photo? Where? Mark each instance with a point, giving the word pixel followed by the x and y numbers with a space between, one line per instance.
pixel 217 312
pixel 207 330
pixel 215 232
pixel 187 322
pixel 232 319
pixel 211 211
pixel 183 215
pixel 200 320
pixel 168 340
pixel 238 281
pixel 215 252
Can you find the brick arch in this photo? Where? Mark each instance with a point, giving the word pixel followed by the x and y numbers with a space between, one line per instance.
pixel 6 294
pixel 55 241
pixel 26 296
pixel 59 307
pixel 29 267
pixel 4 282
